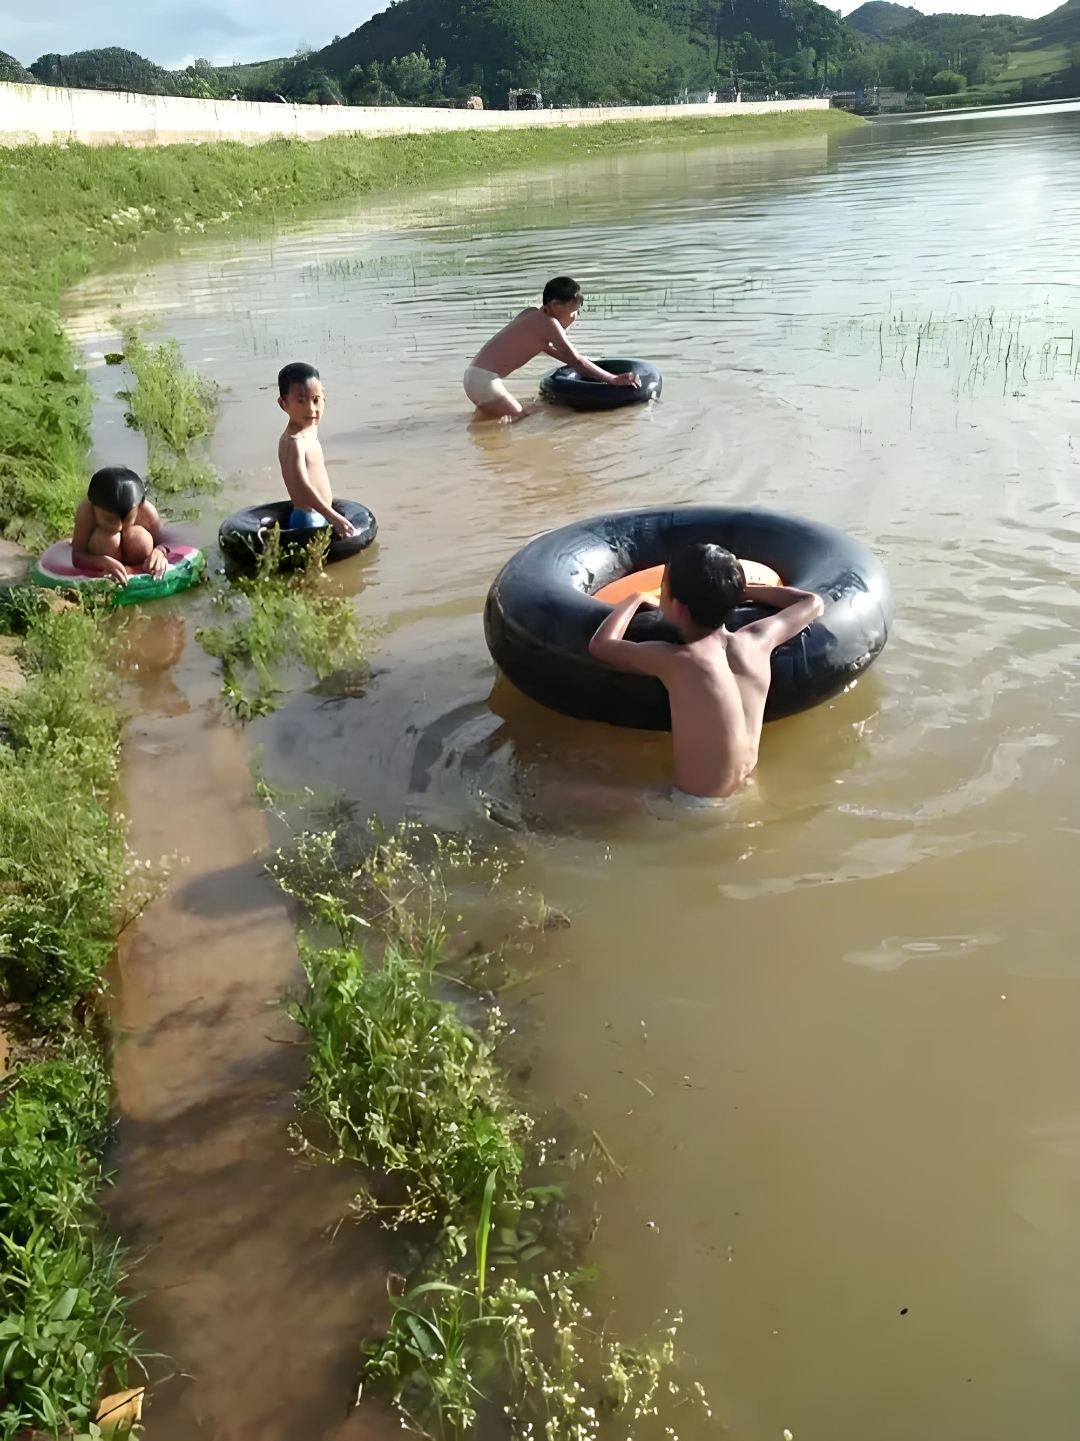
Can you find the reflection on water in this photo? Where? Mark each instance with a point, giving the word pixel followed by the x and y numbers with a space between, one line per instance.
pixel 854 995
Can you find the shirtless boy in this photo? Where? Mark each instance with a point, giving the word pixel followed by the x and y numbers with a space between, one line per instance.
pixel 718 679
pixel 117 530
pixel 540 330
pixel 303 469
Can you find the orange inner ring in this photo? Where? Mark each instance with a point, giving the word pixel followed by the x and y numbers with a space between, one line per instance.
pixel 648 582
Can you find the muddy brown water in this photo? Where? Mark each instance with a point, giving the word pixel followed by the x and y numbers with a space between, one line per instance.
pixel 830 1032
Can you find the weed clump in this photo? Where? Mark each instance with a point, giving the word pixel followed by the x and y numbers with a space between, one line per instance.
pixel 290 617
pixel 403 1083
pixel 404 1087
pixel 64 860
pixel 174 407
pixel 62 1324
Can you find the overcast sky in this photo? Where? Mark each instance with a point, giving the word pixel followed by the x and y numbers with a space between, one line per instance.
pixel 173 33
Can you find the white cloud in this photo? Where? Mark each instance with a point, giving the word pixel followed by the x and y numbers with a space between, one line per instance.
pixel 171 33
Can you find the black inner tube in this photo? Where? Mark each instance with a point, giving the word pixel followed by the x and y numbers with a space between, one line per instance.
pixel 541 614
pixel 567 386
pixel 242 534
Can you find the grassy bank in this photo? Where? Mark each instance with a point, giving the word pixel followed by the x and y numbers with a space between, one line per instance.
pixel 64 872
pixel 67 210
pixel 490 1321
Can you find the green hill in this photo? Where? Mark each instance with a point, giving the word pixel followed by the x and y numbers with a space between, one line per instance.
pixel 1061 26
pixel 585 51
pixel 878 18
pixel 13 72
pixel 109 69
pixel 966 59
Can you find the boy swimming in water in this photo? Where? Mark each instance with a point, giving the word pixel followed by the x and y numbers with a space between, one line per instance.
pixel 303 469
pixel 117 531
pixel 539 330
pixel 718 679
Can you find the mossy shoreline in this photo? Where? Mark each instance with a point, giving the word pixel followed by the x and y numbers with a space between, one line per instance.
pixel 66 211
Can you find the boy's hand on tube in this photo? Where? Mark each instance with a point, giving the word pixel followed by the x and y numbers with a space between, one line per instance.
pixel 115 569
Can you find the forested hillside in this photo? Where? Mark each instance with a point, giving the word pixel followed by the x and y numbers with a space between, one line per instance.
pixel 586 51
pixel 968 59
pixel 440 52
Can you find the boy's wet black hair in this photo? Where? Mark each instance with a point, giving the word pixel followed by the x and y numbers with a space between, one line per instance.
pixel 708 580
pixel 115 489
pixel 562 288
pixel 298 373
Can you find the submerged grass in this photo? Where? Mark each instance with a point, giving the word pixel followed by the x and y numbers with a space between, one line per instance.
pixel 175 408
pixel 68 209
pixel 289 617
pixel 406 1084
pixel 980 349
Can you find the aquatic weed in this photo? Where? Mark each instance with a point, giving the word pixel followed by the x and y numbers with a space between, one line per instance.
pixel 174 407
pixel 402 1084
pixel 405 1087
pixel 291 617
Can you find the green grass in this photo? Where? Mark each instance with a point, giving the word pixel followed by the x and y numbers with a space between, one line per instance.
pixel 1023 63
pixel 175 408
pixel 66 211
pixel 62 1324
pixel 404 1085
pixel 289 618
pixel 64 860
pixel 67 883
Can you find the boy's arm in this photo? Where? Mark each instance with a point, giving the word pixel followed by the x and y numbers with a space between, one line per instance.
pixel 294 472
pixel 158 562
pixel 558 345
pixel 80 539
pixel 795 610
pixel 647 657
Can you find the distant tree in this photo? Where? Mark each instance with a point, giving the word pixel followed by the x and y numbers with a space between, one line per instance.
pixel 946 82
pixel 414 79
pixel 202 81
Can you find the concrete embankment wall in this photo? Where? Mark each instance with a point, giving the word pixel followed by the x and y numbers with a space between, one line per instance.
pixel 31 113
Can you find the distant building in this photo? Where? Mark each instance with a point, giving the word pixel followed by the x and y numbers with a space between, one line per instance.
pixel 526 100
pixel 877 100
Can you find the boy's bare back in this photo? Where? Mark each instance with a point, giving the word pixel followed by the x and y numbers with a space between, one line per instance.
pixel 531 332
pixel 717 684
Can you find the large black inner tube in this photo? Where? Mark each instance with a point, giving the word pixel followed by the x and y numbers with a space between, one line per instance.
pixel 567 386
pixel 243 534
pixel 541 614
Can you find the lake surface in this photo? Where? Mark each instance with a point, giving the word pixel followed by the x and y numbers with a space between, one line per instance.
pixel 831 1031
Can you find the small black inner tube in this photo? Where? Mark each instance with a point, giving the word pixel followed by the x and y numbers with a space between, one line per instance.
pixel 243 534
pixel 567 386
pixel 541 613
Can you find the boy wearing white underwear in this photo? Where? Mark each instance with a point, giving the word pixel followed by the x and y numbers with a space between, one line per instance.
pixel 539 330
